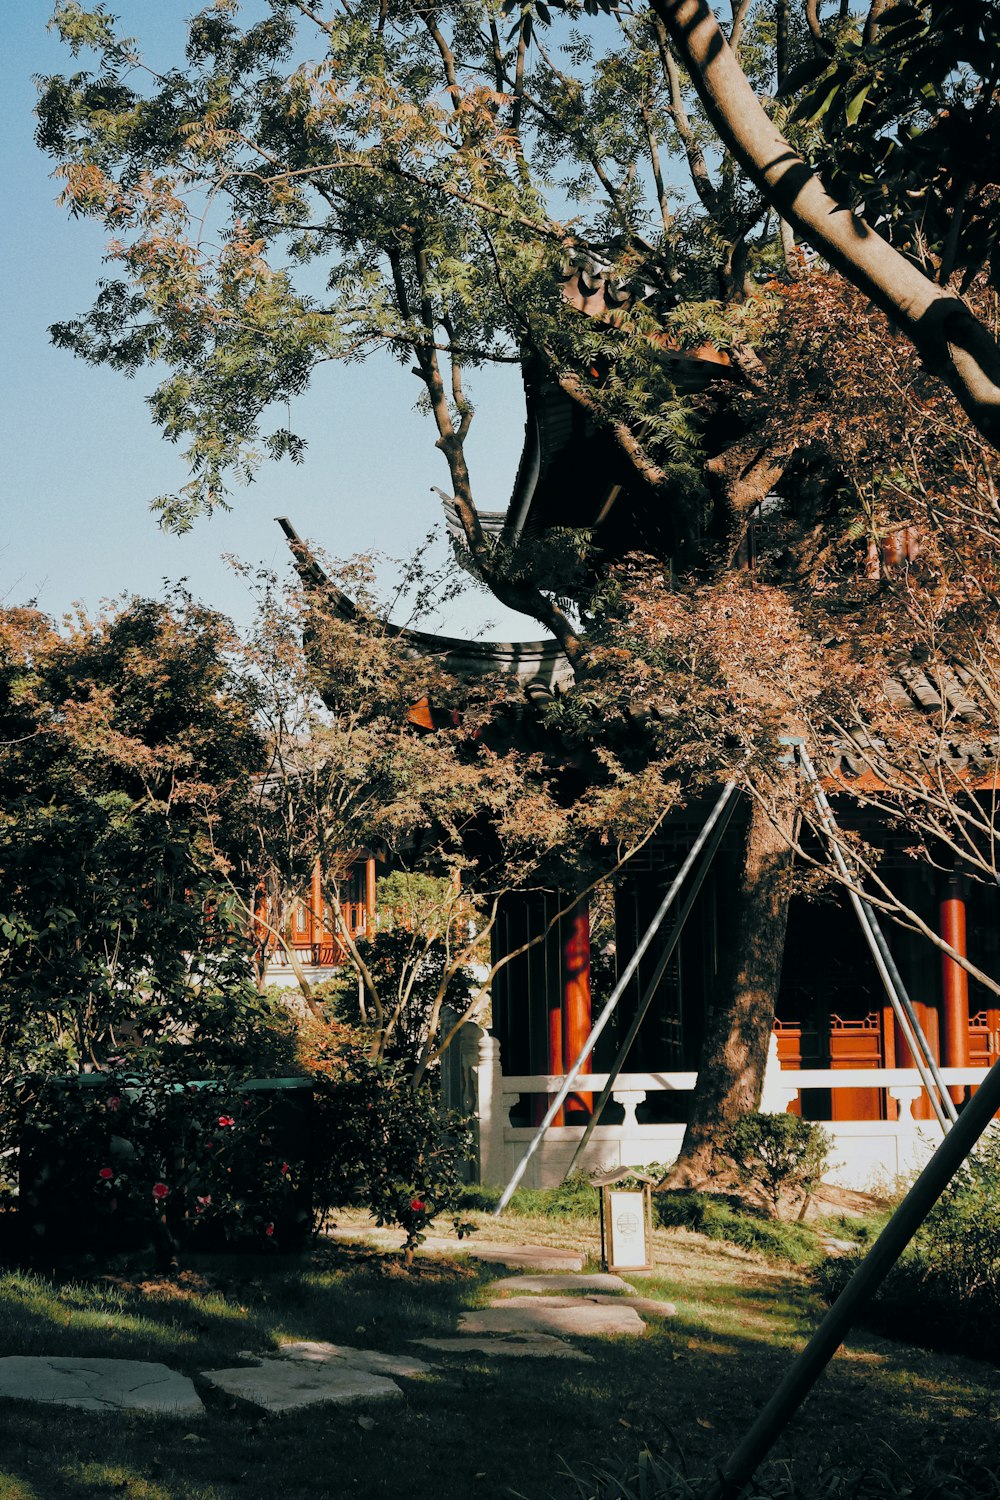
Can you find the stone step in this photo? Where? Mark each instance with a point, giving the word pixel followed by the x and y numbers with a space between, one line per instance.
pixel 310 1351
pixel 599 1281
pixel 99 1384
pixel 568 1316
pixel 647 1305
pixel 281 1385
pixel 535 1346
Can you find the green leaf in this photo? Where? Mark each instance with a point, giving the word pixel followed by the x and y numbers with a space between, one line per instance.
pixel 855 104
pixel 816 104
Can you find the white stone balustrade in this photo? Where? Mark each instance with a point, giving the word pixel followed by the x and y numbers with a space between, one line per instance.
pixel 865 1153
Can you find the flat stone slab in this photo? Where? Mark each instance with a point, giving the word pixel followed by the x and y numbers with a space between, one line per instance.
pixel 317 1353
pixel 559 1315
pixel 647 1307
pixel 99 1384
pixel 516 1257
pixel 538 1346
pixel 526 1257
pixel 288 1384
pixel 599 1281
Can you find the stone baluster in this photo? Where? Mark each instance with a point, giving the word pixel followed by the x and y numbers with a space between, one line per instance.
pixel 912 1150
pixel 775 1096
pixel 631 1148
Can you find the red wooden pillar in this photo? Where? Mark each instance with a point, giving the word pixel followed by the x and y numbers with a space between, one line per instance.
pixel 315 924
pixel 954 985
pixel 370 897
pixel 554 1019
pixel 890 1109
pixel 576 1020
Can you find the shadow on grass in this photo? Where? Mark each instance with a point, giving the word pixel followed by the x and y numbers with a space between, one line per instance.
pixel 206 1314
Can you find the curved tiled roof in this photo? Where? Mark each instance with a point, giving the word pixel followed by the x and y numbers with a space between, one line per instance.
pixel 541 666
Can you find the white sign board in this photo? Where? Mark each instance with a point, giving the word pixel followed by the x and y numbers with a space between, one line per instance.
pixel 626 1221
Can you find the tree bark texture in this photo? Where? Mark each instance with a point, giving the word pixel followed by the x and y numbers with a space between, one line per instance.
pixel 951 341
pixel 738 1028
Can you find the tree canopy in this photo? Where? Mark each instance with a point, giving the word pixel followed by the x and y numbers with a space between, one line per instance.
pixel 128 747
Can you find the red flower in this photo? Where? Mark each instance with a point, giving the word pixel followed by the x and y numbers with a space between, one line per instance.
pixel 268 1228
pixel 160 1190
pixel 285 1169
pixel 417 1204
pixel 206 1200
pixel 114 1102
pixel 107 1173
pixel 225 1120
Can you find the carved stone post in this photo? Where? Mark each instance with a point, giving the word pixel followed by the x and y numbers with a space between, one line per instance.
pixel 490 1106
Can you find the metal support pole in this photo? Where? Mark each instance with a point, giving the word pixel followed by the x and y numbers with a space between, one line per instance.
pixel 654 983
pixel 615 996
pixel 742 1463
pixel 875 926
pixel 923 1057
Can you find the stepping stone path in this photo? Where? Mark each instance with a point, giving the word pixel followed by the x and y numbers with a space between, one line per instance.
pixel 305 1373
pixel 530 1321
pixel 525 1321
pixel 99 1384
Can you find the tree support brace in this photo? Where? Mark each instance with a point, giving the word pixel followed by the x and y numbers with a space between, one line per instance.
pixel 615 996
pixel 654 983
pixel 902 1005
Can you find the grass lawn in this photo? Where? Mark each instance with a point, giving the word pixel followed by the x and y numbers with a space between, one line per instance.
pixel 477 1429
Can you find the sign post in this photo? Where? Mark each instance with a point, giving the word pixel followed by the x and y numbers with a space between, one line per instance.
pixel 626 1219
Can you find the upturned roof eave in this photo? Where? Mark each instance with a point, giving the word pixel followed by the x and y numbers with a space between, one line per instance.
pixel 539 661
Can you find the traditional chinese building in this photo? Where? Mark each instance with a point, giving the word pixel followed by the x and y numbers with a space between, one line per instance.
pixel 303 932
pixel 838 1053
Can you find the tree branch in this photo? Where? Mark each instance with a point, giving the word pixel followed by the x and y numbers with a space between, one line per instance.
pixel 951 341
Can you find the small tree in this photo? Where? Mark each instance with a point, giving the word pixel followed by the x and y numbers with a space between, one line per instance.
pixel 778 1154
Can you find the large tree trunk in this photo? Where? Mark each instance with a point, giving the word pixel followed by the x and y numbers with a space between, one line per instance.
pixel 738 1028
pixel 950 340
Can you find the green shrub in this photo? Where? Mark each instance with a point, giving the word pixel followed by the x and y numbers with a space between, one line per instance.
pixel 945 1289
pixel 719 1219
pixel 963 1471
pixel 381 1143
pixel 778 1154
pixel 576 1198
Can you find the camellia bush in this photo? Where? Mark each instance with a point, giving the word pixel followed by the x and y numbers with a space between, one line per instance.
pixel 112 1162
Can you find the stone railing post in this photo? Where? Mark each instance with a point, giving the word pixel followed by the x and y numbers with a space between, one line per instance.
pixel 630 1150
pixel 911 1155
pixel 487 1086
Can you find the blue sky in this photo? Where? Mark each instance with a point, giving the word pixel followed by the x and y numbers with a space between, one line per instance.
pixel 82 458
